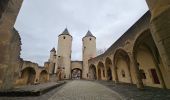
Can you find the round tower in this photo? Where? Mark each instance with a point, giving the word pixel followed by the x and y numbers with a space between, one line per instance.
pixel 64 53
pixel 52 55
pixel 52 61
pixel 89 51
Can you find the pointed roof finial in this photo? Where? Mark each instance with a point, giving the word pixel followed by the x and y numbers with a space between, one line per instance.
pixel 65 32
pixel 89 34
pixel 53 50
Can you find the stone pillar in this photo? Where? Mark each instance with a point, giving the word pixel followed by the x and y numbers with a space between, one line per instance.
pixel 130 75
pixel 138 78
pixel 7 58
pixel 97 73
pixel 106 73
pixel 160 27
pixel 115 74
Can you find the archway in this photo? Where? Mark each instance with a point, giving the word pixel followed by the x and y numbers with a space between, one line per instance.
pixel 101 71
pixel 122 64
pixel 92 72
pixel 28 75
pixel 76 73
pixel 108 64
pixel 148 60
pixel 43 76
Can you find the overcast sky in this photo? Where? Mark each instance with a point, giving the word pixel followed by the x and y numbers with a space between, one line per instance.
pixel 41 21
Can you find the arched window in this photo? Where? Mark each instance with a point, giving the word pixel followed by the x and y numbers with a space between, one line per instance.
pixel 64 37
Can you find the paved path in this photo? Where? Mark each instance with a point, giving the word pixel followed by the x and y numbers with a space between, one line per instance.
pixel 84 90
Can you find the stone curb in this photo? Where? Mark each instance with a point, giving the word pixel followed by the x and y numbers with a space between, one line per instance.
pixel 29 93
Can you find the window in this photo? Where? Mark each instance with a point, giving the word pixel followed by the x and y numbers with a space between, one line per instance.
pixel 90 39
pixel 123 73
pixel 155 76
pixel 64 37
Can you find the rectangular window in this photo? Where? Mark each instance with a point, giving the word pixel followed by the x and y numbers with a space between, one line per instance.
pixel 155 76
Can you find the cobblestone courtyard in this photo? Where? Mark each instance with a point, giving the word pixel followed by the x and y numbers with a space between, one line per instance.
pixel 98 90
pixel 85 90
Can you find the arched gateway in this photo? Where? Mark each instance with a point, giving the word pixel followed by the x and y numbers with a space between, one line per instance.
pixel 28 75
pixel 76 73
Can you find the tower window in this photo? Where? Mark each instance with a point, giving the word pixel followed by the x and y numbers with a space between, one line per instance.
pixel 64 37
pixel 90 39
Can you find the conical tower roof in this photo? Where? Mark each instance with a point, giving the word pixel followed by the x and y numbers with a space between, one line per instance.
pixel 89 34
pixel 65 32
pixel 53 50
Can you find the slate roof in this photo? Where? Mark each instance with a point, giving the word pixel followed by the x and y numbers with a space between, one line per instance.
pixel 65 32
pixel 89 34
pixel 53 50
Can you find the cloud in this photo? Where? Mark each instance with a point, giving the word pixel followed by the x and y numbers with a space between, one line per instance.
pixel 41 21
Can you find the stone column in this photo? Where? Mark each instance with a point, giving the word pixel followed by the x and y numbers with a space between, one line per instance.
pixel 106 73
pixel 138 78
pixel 130 76
pixel 97 73
pixel 115 74
pixel 160 27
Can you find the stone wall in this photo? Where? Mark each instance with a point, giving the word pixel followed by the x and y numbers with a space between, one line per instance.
pixel 76 64
pixel 31 73
pixel 9 45
pixel 129 64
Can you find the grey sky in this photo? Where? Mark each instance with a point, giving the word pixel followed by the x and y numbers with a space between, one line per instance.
pixel 41 21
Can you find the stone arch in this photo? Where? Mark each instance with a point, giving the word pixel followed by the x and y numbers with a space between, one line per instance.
pixel 108 65
pixel 101 71
pixel 122 64
pixel 28 75
pixel 92 72
pixel 43 76
pixel 148 60
pixel 76 73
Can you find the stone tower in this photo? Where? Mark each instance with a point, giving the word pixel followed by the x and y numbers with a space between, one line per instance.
pixel 64 52
pixel 89 51
pixel 52 61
